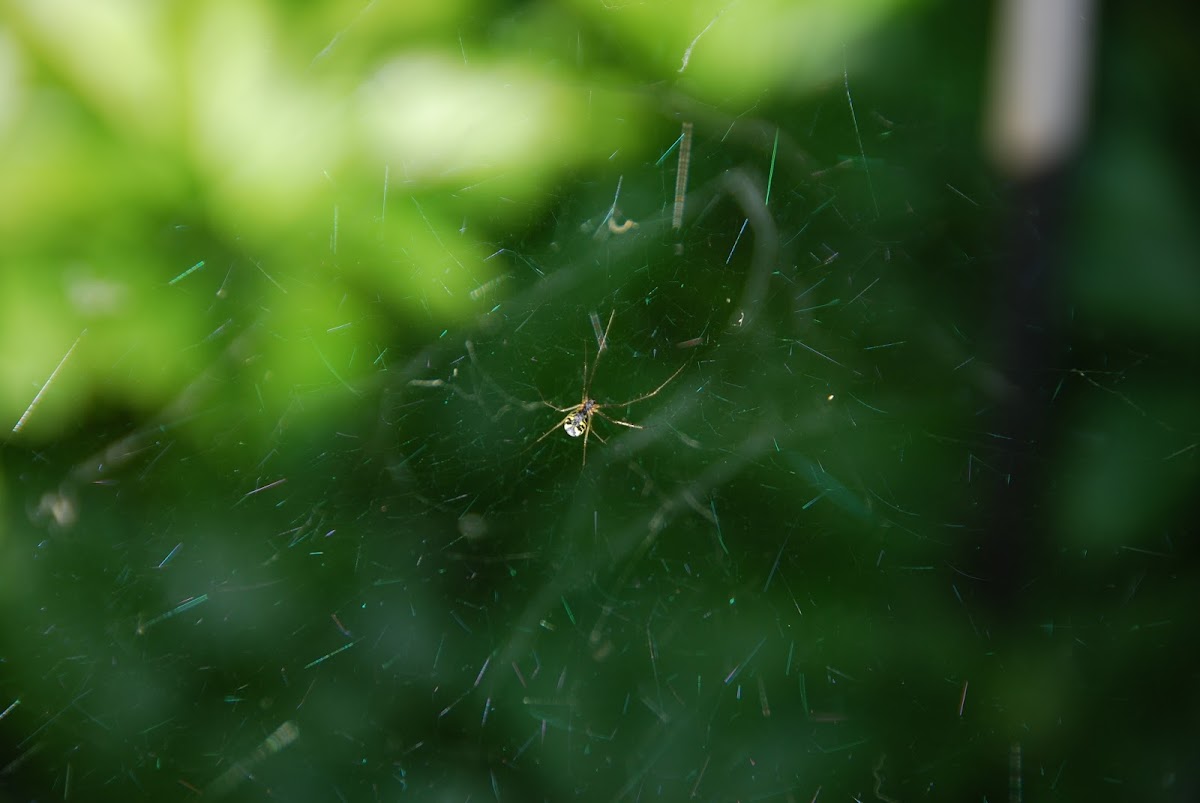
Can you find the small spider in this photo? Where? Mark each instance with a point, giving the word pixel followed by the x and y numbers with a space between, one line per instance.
pixel 578 419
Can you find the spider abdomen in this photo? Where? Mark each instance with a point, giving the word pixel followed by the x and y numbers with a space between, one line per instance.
pixel 576 424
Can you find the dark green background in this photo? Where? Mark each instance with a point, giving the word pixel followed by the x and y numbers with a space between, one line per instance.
pixel 245 555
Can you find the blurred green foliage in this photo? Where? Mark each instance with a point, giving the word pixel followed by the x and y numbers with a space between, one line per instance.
pixel 347 154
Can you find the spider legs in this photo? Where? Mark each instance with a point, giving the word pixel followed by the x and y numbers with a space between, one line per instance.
pixel 653 392
pixel 612 420
pixel 550 431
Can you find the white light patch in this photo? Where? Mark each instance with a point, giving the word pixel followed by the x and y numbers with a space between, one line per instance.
pixel 440 118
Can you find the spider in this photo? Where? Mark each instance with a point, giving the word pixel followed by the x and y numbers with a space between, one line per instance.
pixel 578 419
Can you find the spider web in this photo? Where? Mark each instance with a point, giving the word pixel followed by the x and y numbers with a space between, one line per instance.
pixel 780 585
